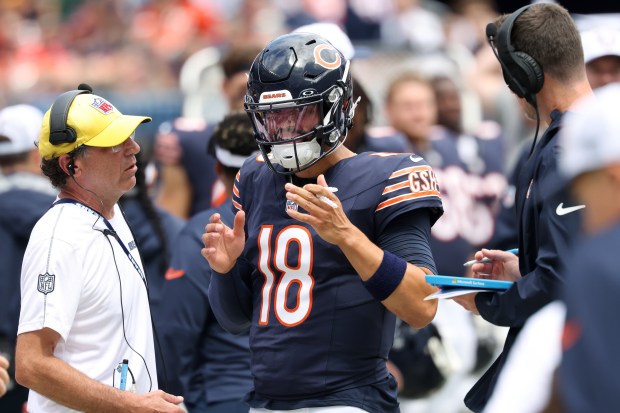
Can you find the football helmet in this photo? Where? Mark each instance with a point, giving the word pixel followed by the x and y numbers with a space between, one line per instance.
pixel 300 101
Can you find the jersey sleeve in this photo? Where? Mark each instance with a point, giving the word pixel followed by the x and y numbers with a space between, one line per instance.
pixel 51 285
pixel 237 203
pixel 231 299
pixel 408 186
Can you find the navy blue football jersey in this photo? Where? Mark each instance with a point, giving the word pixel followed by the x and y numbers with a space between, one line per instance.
pixel 315 328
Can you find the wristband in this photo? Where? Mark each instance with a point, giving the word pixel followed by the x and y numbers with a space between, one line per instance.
pixel 387 277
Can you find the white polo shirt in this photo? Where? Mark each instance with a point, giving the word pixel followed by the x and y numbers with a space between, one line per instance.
pixel 81 283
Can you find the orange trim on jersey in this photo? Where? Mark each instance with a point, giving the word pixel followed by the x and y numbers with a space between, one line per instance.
pixel 259 158
pixel 406 197
pixel 409 170
pixel 236 191
pixel 395 187
pixel 237 205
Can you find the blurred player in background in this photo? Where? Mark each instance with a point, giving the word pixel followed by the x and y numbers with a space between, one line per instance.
pixel 211 367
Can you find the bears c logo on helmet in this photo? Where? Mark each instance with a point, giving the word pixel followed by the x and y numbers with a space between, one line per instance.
pixel 318 59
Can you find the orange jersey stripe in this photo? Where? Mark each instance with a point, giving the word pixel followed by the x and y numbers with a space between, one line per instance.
pixel 406 197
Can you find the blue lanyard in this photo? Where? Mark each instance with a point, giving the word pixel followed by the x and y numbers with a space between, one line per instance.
pixel 106 233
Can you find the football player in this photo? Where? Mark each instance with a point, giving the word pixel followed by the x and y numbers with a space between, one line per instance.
pixel 317 273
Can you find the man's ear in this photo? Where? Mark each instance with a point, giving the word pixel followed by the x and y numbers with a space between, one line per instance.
pixel 66 163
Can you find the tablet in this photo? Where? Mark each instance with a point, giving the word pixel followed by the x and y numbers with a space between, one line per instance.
pixel 446 281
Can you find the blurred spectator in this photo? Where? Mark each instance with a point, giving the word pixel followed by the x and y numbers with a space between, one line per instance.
pixel 466 24
pixel 412 26
pixel 257 21
pixel 175 29
pixel 209 367
pixel 187 180
pixel 363 138
pixel 601 49
pixel 25 195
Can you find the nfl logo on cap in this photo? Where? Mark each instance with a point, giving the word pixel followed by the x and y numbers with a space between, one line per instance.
pixel 102 105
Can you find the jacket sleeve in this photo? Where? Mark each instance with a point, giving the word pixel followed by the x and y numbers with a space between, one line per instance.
pixel 231 298
pixel 541 285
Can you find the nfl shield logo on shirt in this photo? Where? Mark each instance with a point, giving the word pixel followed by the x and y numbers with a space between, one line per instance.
pixel 291 206
pixel 46 283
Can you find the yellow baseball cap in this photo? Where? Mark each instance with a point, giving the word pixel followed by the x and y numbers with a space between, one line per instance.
pixel 96 122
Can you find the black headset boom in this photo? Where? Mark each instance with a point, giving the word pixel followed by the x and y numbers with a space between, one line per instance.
pixel 522 73
pixel 60 132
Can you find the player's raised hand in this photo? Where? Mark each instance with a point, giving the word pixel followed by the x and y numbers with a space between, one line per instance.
pixel 223 245
pixel 324 210
pixel 502 265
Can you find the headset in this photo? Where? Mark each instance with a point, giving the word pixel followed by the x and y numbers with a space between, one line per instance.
pixel 60 132
pixel 522 73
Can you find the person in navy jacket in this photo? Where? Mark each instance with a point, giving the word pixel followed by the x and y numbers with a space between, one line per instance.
pixel 540 53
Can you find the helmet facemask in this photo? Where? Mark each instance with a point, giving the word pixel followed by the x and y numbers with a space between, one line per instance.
pixel 299 99
pixel 296 133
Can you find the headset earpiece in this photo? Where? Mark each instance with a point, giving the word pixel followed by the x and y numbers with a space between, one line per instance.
pixel 522 73
pixel 60 132
pixel 71 168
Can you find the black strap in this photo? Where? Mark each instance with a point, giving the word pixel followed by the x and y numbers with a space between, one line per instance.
pixel 109 231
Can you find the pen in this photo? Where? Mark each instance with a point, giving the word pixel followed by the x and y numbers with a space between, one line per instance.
pixel 124 368
pixel 326 199
pixel 514 251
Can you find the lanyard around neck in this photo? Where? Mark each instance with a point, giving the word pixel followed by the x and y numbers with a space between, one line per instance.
pixel 110 231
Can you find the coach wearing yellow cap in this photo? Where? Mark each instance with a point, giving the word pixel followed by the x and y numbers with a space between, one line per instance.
pixel 85 340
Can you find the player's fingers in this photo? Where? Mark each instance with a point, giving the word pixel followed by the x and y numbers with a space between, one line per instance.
pixel 239 223
pixel 215 218
pixel 305 218
pixel 4 363
pixel 4 378
pixel 312 204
